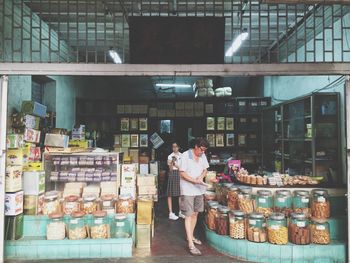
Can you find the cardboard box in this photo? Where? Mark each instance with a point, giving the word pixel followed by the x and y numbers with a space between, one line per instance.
pixel 128 190
pixel 33 167
pixel 146 180
pixel 78 133
pixel 31 135
pixel 33 182
pixel 144 168
pixel 147 190
pixel 13 179
pixel 134 155
pixel 14 157
pixel 33 204
pixel 31 153
pixel 128 175
pixel 56 140
pixel 144 212
pixel 34 108
pixel 143 236
pixel 154 168
pixel 144 159
pixel 14 141
pixel 81 144
pixel 20 120
pixel 14 227
pixel 14 203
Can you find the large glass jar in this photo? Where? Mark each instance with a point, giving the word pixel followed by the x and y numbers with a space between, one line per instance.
pixel 232 198
pixel 71 204
pixel 320 205
pixel 56 228
pixel 225 191
pixel 320 231
pixel 77 228
pixel 100 227
pixel 283 202
pixel 237 224
pixel 121 226
pixel 107 203
pixel 264 202
pixel 212 213
pixel 90 203
pixel 245 200
pixel 207 209
pixel 219 188
pixel 256 229
pixel 125 204
pixel 277 231
pixel 301 202
pixel 51 203
pixel 299 229
pixel 209 196
pixel 222 221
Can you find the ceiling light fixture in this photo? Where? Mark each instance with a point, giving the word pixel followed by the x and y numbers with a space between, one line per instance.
pixel 114 56
pixel 173 85
pixel 237 43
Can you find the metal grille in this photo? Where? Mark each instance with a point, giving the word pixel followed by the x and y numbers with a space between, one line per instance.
pixel 82 31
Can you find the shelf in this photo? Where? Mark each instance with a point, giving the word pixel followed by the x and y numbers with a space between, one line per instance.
pixel 298 140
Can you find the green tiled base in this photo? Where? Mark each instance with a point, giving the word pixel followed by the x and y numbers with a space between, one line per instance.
pixel 265 252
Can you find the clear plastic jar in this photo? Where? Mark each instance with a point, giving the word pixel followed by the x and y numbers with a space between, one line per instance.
pixel 256 229
pixel 51 203
pixel 222 224
pixel 299 229
pixel 245 200
pixel 320 205
pixel 125 204
pixel 264 202
pixel 107 203
pixel 232 198
pixel 277 231
pixel 320 231
pixel 301 202
pixel 77 228
pixel 212 214
pixel 283 202
pixel 100 227
pixel 90 203
pixel 121 226
pixel 71 204
pixel 237 224
pixel 56 228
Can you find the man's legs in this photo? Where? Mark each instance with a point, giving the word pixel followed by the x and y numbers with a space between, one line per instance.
pixel 189 230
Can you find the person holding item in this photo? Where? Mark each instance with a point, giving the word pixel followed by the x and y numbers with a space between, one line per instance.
pixel 193 169
pixel 174 180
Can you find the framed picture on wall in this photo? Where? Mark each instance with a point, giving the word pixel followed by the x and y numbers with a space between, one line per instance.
pixel 134 124
pixel 143 140
pixel 230 139
pixel 125 140
pixel 220 140
pixel 143 125
pixel 210 123
pixel 230 124
pixel 117 141
pixel 124 124
pixel 211 139
pixel 134 138
pixel 221 123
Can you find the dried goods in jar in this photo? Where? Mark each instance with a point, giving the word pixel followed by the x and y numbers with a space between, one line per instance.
pixel 255 234
pixel 125 205
pixel 277 235
pixel 99 231
pixel 321 209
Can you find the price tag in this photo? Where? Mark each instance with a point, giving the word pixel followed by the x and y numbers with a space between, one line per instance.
pixel 120 224
pixel 274 227
pixel 252 222
pixel 125 203
pixel 106 203
pixel 98 221
pixel 304 199
pixel 320 227
pixel 281 199
pixel 321 199
pixel 262 200
pixel 74 221
pixel 300 224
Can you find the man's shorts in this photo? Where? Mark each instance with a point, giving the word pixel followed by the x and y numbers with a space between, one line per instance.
pixel 191 204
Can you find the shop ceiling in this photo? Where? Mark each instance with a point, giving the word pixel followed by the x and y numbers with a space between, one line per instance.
pixel 83 31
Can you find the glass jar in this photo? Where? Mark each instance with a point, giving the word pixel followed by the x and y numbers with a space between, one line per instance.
pixel 207 208
pixel 232 198
pixel 51 203
pixel 237 224
pixel 219 188
pixel 121 226
pixel 71 204
pixel 256 229
pixel 100 227
pixel 77 228
pixel 209 196
pixel 301 202
pixel 89 203
pixel 320 205
pixel 299 229
pixel 277 231
pixel 283 202
pixel 263 202
pixel 225 190
pixel 245 200
pixel 222 221
pixel 320 231
pixel 125 204
pixel 212 213
pixel 56 228
pixel 107 203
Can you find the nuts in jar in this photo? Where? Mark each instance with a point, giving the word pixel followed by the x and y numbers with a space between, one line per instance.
pixel 277 231
pixel 237 224
pixel 100 227
pixel 320 231
pixel 266 211
pixel 71 204
pixel 51 203
pixel 125 204
pixel 89 203
pixel 320 205
pixel 56 228
pixel 77 228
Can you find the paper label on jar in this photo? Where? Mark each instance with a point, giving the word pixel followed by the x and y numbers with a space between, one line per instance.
pixel 300 224
pixel 252 222
pixel 98 221
pixel 125 203
pixel 320 227
pixel 304 199
pixel 120 224
pixel 74 221
pixel 263 225
pixel 106 203
pixel 70 205
pixel 262 200
pixel 281 199
pixel 321 199
pixel 274 227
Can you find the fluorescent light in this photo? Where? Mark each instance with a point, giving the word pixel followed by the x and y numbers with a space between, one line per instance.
pixel 236 44
pixel 114 56
pixel 170 85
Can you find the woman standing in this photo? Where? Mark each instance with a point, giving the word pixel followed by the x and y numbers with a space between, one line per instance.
pixel 174 179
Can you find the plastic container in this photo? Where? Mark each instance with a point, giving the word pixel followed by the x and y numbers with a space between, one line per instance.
pixel 256 228
pixel 299 229
pixel 264 202
pixel 71 204
pixel 222 224
pixel 232 198
pixel 301 202
pixel 245 200
pixel 51 203
pixel 100 227
pixel 90 204
pixel 237 224
pixel 56 228
pixel 121 226
pixel 107 203
pixel 320 205
pixel 125 204
pixel 283 202
pixel 77 228
pixel 320 231
pixel 212 214
pixel 277 230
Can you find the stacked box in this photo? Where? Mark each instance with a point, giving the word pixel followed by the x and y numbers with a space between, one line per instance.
pixel 143 236
pixel 144 211
pixel 78 133
pixel 22 120
pixel 128 175
pixel 13 180
pixel 56 140
pixel 33 108
pixel 147 186
pixel 34 182
pixel 14 203
pixel 33 204
pixel 14 227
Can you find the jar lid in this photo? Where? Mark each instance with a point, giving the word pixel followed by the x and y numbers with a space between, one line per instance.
pixel 107 197
pixel 55 215
pixel 318 220
pixel 89 197
pixel 320 192
pixel 246 189
pixel 224 209
pixel 99 213
pixel 277 216
pixel 120 216
pixel 264 193
pixel 212 202
pixel 215 206
pixel 256 215
pixel 284 192
pixel 51 195
pixel 78 214
pixel 125 196
pixel 210 193
pixel 301 192
pixel 71 198
pixel 237 213
pixel 234 188
pixel 300 216
pixel 228 185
